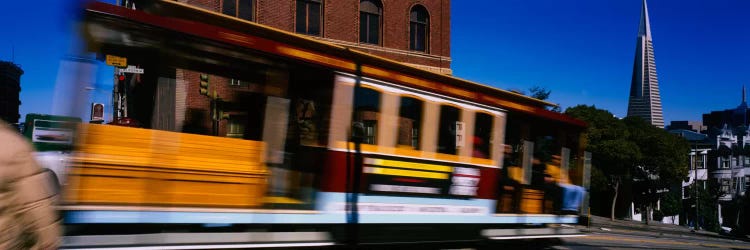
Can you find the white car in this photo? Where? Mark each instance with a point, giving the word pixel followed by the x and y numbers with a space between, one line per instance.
pixel 56 161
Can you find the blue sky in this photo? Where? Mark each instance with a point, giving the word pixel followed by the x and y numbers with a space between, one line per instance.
pixel 581 50
pixel 39 35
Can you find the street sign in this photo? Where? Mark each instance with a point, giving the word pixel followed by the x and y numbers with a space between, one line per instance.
pixel 131 69
pixel 116 61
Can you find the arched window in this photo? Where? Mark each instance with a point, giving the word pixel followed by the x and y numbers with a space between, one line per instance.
pixel 419 29
pixel 309 17
pixel 239 8
pixel 370 13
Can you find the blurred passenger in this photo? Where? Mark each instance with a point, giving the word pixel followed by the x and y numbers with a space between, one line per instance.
pixel 27 216
pixel 566 197
pixel 478 144
pixel 510 181
pixel 552 192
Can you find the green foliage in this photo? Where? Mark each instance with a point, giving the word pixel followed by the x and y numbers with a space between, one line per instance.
pixel 745 213
pixel 607 140
pixel 708 199
pixel 599 181
pixel 665 153
pixel 630 149
pixel 671 204
pixel 540 93
pixel 556 109
pixel 613 154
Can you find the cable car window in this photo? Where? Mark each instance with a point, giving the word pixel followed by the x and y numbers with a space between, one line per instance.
pixel 482 135
pixel 367 111
pixel 449 118
pixel 409 122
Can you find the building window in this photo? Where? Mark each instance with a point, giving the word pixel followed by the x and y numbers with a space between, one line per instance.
pixel 702 184
pixel 367 112
pixel 370 13
pixel 309 17
pixel 736 185
pixel 409 122
pixel 724 185
pixel 239 8
pixel 724 162
pixel 419 29
pixel 739 162
pixel 370 127
pixel 699 162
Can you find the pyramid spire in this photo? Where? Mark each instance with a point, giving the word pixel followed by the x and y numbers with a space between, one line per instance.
pixel 645 100
pixel 645 28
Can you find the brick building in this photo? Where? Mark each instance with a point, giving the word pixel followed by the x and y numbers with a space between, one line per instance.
pixel 414 32
pixel 10 88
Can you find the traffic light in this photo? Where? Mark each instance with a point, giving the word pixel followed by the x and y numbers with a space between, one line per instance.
pixel 204 84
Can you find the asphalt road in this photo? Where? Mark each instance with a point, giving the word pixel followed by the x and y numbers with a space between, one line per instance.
pixel 655 241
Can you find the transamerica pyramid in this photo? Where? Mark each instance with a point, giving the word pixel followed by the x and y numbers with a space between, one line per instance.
pixel 645 101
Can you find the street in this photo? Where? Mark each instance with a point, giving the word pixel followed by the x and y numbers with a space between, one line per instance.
pixel 653 241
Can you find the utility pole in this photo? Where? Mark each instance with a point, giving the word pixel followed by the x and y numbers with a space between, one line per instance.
pixel 695 184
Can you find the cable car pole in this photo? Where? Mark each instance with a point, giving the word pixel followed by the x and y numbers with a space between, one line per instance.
pixel 357 136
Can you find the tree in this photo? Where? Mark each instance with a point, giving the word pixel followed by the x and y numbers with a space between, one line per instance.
pixel 556 109
pixel 540 93
pixel 632 151
pixel 662 165
pixel 671 205
pixel 708 205
pixel 614 155
pixel 744 220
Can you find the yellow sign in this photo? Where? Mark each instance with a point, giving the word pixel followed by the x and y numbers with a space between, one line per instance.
pixel 116 61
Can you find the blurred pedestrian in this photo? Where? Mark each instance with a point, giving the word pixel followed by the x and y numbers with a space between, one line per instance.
pixel 27 194
pixel 510 175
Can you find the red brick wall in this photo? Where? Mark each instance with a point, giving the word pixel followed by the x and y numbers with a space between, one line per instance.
pixel 396 24
pixel 196 101
pixel 212 5
pixel 341 22
pixel 276 13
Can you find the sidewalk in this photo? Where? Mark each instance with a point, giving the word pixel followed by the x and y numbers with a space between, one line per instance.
pixel 600 224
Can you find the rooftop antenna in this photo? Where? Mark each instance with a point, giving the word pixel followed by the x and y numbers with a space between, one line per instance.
pixel 13 53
